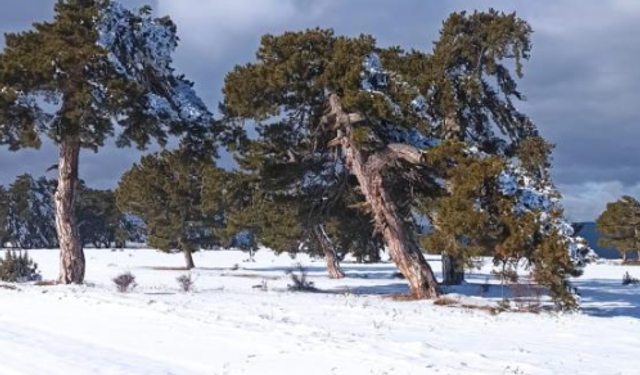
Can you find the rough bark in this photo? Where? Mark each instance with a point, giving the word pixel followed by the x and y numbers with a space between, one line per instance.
pixel 329 251
pixel 452 270
pixel 367 169
pixel 72 261
pixel 188 257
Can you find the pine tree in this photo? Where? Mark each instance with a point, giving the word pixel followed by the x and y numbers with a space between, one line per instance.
pixel 312 93
pixel 99 65
pixel 619 226
pixel 165 191
pixel 328 109
pixel 98 217
pixel 31 214
pixel 4 216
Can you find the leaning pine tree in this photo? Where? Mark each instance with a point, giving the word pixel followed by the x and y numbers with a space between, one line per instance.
pixel 387 118
pixel 97 65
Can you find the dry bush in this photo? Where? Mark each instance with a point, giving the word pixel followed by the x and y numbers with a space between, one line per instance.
pixel 125 282
pixel 627 279
pixel 186 282
pixel 299 281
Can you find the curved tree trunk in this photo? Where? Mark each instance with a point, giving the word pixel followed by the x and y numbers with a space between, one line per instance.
pixel 452 270
pixel 72 262
pixel 330 256
pixel 367 169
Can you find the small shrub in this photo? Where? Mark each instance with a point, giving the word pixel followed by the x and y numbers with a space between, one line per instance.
pixel 629 280
pixel 17 267
pixel 186 283
pixel 299 280
pixel 125 282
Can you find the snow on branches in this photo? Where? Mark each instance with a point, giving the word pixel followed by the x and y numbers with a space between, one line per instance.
pixel 140 48
pixel 533 194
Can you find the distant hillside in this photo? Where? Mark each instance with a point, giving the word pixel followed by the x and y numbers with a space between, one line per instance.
pixel 588 231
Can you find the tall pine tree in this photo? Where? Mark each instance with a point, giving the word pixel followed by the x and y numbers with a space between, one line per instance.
pixel 97 65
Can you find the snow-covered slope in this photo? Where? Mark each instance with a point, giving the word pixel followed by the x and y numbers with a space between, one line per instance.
pixel 227 326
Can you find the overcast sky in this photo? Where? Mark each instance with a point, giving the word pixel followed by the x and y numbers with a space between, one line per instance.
pixel 582 82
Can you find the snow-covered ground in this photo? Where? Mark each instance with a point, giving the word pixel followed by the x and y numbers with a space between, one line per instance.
pixel 229 326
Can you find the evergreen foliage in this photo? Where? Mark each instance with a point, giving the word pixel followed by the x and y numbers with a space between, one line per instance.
pixel 440 129
pixel 30 214
pixel 27 216
pixel 98 65
pixel 100 222
pixel 165 191
pixel 4 216
pixel 619 226
pixel 18 267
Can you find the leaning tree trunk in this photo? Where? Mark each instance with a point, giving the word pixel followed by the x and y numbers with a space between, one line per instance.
pixel 72 262
pixel 368 170
pixel 330 256
pixel 452 270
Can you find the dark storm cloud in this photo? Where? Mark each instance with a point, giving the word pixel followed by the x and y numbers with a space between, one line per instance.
pixel 581 82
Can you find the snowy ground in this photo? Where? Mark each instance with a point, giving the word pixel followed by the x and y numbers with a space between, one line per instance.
pixel 227 326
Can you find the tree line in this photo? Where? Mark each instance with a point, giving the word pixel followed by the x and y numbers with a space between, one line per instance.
pixel 27 216
pixel 341 145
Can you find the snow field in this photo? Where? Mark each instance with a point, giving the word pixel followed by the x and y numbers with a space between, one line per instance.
pixel 231 325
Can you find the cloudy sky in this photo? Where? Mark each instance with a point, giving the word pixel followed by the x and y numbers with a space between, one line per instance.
pixel 582 83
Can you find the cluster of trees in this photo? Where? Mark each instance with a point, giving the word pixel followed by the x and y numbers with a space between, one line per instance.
pixel 342 146
pixel 27 219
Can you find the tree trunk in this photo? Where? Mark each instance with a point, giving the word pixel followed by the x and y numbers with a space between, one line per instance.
pixel 330 256
pixel 72 262
pixel 452 270
pixel 367 169
pixel 624 257
pixel 188 257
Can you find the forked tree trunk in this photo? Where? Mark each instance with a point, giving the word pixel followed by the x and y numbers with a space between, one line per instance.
pixel 368 170
pixel 329 251
pixel 452 270
pixel 72 262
